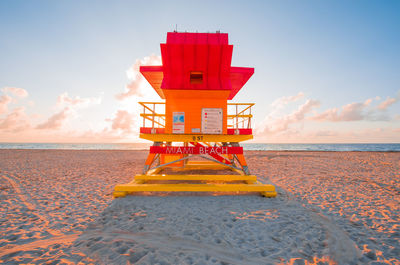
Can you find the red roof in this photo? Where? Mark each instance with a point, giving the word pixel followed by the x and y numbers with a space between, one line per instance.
pixel 206 53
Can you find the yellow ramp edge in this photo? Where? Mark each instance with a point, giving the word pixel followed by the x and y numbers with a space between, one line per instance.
pixel 265 190
pixel 195 187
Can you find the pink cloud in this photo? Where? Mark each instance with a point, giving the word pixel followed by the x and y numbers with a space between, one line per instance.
pixel 56 121
pixel 273 125
pixel 65 100
pixel 4 101
pixel 69 106
pixel 283 101
pixel 388 102
pixel 335 135
pixel 298 125
pixel 299 114
pixel 136 79
pixel 351 112
pixel 123 121
pixel 15 121
pixel 16 91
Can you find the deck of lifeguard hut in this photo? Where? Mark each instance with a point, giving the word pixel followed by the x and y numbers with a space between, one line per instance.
pixel 196 127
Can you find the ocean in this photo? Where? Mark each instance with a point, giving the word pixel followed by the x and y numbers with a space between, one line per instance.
pixel 379 147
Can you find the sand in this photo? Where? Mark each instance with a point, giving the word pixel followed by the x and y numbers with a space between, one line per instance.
pixel 332 207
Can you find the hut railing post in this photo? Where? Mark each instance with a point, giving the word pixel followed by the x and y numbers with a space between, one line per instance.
pixel 237 117
pixel 144 117
pixel 249 123
pixel 154 112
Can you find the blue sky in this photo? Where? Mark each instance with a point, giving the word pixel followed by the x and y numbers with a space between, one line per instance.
pixel 331 54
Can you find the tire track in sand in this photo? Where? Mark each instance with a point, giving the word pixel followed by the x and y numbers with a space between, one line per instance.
pixel 340 247
pixel 31 206
pixel 64 239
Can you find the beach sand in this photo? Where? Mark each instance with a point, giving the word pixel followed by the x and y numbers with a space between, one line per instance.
pixel 56 207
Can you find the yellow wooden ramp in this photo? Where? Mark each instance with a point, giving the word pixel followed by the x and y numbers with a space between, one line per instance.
pixel 250 184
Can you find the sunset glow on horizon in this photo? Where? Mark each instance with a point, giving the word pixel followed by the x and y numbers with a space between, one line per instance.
pixel 325 72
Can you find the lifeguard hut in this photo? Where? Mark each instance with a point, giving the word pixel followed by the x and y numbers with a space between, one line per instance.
pixel 195 128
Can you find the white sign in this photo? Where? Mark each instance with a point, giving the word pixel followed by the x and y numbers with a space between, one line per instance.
pixel 178 122
pixel 211 120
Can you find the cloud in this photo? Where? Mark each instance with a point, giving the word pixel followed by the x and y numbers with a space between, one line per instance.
pixel 357 111
pixel 16 91
pixel 283 101
pixel 65 100
pixel 4 101
pixel 388 102
pixel 16 125
pixel 56 121
pixel 273 125
pixel 350 112
pixel 354 111
pixel 123 121
pixel 15 121
pixel 136 79
pixel 68 106
pixel 302 124
pixel 299 114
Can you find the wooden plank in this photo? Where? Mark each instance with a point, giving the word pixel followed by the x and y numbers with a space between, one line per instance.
pixel 198 177
pixel 195 188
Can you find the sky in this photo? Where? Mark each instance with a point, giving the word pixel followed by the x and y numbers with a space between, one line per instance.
pixel 325 71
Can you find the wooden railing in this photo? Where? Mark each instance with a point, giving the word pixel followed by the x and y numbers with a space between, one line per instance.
pixel 239 115
pixel 155 114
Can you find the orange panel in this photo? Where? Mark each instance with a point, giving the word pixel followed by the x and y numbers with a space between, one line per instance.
pixel 191 102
